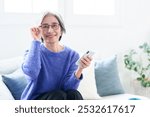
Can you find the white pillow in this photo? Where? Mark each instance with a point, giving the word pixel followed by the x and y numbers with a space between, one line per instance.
pixel 5 94
pixel 87 86
pixel 10 65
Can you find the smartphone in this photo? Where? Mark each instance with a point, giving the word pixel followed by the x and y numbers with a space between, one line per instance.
pixel 88 53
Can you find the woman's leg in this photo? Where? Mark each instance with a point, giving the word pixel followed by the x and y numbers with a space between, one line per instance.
pixel 73 95
pixel 53 95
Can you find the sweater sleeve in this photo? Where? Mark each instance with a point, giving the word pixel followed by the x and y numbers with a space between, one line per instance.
pixel 71 81
pixel 32 64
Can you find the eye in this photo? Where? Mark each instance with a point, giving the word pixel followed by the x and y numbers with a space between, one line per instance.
pixel 55 26
pixel 45 26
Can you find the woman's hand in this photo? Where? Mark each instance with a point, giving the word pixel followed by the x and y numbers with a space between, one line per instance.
pixel 36 33
pixel 85 61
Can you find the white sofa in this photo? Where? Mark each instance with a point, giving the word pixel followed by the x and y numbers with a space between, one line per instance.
pixel 87 87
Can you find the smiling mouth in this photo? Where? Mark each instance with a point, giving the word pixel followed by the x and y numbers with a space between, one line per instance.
pixel 50 36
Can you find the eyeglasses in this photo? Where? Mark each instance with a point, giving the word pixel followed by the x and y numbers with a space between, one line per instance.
pixel 45 27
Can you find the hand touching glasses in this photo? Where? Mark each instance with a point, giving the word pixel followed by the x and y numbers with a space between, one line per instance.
pixel 36 33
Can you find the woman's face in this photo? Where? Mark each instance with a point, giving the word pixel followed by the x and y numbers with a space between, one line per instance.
pixel 51 30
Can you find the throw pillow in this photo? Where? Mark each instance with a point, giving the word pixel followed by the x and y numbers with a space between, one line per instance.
pixel 87 86
pixel 15 82
pixel 5 94
pixel 107 78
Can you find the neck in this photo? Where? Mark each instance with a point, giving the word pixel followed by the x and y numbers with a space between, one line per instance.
pixel 54 47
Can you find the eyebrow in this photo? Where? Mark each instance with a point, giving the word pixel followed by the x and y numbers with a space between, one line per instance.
pixel 48 24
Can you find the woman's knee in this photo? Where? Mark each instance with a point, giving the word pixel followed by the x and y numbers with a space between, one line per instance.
pixel 73 94
pixel 58 95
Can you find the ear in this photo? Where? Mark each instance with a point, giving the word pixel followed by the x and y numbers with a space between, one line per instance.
pixel 61 34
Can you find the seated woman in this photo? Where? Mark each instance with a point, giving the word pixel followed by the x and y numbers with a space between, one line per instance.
pixel 50 67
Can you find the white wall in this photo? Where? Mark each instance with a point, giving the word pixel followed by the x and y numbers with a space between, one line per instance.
pixel 13 41
pixel 105 40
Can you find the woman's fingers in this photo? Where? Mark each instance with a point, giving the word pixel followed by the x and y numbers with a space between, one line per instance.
pixel 85 61
pixel 36 33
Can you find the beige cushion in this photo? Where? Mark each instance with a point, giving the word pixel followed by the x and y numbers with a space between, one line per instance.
pixel 87 86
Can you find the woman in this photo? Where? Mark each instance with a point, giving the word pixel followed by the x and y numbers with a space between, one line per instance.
pixel 50 67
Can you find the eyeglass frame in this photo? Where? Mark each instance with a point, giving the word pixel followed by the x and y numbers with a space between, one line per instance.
pixel 48 26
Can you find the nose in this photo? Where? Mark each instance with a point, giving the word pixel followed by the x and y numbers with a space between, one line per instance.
pixel 50 29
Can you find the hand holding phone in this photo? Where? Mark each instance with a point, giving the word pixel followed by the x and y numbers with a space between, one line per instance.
pixel 88 53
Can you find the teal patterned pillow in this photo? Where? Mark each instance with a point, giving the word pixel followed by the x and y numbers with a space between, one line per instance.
pixel 15 82
pixel 107 78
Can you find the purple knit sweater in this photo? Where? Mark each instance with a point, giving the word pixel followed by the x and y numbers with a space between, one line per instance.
pixel 46 70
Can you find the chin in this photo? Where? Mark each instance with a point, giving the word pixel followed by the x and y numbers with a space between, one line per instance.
pixel 51 41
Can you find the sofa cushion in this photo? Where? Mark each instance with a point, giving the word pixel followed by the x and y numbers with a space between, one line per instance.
pixel 15 82
pixel 87 86
pixel 125 97
pixel 10 65
pixel 5 94
pixel 107 78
